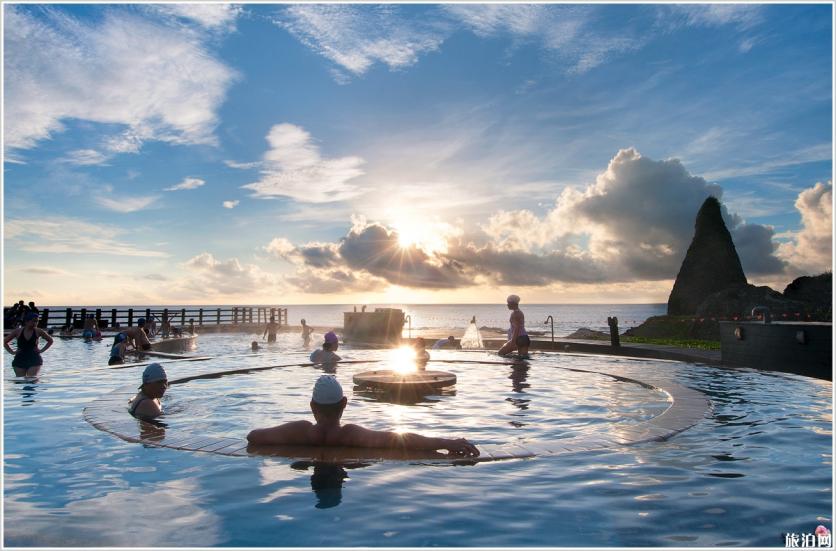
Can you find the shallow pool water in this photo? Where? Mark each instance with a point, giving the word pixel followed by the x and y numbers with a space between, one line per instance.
pixel 757 466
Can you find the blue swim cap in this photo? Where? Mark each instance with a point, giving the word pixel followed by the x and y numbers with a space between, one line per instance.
pixel 153 373
pixel 29 316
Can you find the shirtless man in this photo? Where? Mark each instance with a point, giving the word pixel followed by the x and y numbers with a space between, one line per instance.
pixel 327 404
pixel 517 337
pixel 306 331
pixel 136 336
pixel 270 330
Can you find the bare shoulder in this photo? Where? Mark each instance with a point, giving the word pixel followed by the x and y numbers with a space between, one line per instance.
pixel 294 432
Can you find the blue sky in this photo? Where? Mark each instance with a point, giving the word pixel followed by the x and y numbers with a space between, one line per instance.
pixel 334 153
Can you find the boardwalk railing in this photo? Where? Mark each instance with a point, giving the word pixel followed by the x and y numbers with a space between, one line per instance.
pixel 108 318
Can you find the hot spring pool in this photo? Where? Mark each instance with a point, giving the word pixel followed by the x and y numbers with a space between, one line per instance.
pixel 757 464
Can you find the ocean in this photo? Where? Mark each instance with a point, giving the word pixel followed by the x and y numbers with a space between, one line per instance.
pixel 567 317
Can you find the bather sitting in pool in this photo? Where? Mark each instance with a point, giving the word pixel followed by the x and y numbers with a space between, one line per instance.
pixel 326 354
pixel 146 404
pixel 421 354
pixel 327 404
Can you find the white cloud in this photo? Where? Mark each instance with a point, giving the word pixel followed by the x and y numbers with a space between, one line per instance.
pixel 563 29
pixel 61 235
pixel 125 204
pixel 230 204
pixel 293 167
pixel 228 277
pixel 743 16
pixel 242 166
pixel 161 82
pixel 357 37
pixel 46 270
pixel 210 16
pixel 187 183
pixel 85 157
pixel 811 250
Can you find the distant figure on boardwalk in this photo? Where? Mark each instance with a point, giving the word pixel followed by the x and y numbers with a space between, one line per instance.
pixel 326 354
pixel 270 330
pixel 146 404
pixel 517 337
pixel 118 349
pixel 91 328
pixel 306 331
pixel 27 358
pixel 449 342
pixel 327 405
pixel 136 336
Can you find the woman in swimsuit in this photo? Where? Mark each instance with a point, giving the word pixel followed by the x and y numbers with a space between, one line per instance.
pixel 27 361
pixel 518 338
pixel 117 351
pixel 146 404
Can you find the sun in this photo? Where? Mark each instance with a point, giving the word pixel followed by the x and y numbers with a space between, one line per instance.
pixel 418 232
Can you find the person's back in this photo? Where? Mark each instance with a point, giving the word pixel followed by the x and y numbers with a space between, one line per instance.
pixel 327 405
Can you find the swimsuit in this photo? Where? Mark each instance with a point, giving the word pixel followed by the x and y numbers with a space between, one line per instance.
pixel 116 356
pixel 523 338
pixel 27 354
pixel 132 409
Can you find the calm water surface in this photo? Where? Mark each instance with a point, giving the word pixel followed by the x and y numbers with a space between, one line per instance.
pixel 757 466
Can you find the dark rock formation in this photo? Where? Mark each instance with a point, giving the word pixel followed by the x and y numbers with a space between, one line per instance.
pixel 738 301
pixel 711 263
pixel 816 291
pixel 677 327
pixel 587 333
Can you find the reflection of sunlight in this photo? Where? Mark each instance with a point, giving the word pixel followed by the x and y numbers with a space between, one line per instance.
pixel 403 359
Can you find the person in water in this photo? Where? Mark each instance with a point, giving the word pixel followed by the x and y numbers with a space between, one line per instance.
pixel 517 337
pixel 146 403
pixel 327 405
pixel 91 328
pixel 136 336
pixel 327 354
pixel 306 331
pixel 270 330
pixel 449 342
pixel 27 360
pixel 118 349
pixel 254 346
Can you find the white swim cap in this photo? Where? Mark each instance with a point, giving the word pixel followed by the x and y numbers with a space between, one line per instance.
pixel 513 299
pixel 327 390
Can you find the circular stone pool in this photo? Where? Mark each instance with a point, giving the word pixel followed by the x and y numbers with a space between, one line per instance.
pixel 590 445
pixel 495 404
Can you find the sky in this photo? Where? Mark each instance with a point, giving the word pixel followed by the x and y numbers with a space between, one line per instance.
pixel 435 153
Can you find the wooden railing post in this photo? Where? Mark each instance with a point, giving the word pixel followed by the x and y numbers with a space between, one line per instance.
pixel 99 318
pixel 148 315
pixel 183 317
pixel 44 318
pixel 83 316
pixel 130 317
pixel 200 317
pixel 113 318
pixel 219 316
pixel 69 317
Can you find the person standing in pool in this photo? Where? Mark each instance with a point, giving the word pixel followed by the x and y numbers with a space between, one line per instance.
pixel 27 360
pixel 326 355
pixel 327 405
pixel 118 349
pixel 270 330
pixel 517 337
pixel 146 403
pixel 306 332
